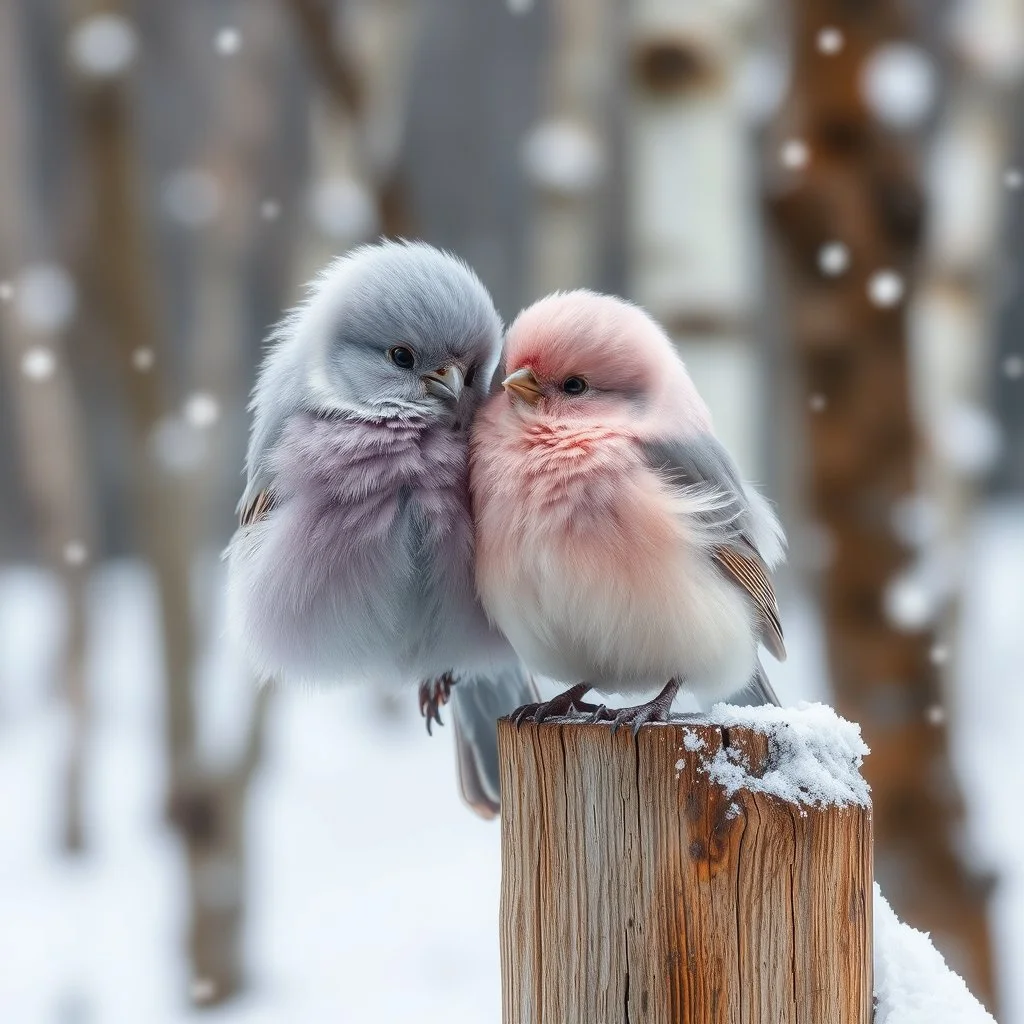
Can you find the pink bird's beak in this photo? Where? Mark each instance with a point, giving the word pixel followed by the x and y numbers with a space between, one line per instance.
pixel 523 385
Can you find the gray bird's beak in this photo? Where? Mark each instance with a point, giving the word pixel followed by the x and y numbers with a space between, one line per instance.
pixel 446 382
pixel 523 384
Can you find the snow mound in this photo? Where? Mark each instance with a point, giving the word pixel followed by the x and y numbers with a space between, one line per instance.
pixel 814 755
pixel 913 985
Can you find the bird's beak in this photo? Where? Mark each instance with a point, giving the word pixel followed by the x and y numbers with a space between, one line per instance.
pixel 523 384
pixel 445 382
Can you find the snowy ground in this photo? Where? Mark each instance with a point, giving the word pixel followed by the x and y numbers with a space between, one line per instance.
pixel 374 892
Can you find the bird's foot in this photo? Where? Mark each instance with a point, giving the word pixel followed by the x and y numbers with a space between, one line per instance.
pixel 434 694
pixel 656 710
pixel 564 704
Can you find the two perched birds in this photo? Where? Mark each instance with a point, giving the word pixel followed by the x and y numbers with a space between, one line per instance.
pixel 431 504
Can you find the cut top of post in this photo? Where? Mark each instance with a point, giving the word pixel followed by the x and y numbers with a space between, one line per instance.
pixel 713 869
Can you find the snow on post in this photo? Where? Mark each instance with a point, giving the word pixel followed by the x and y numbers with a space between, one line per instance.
pixel 717 868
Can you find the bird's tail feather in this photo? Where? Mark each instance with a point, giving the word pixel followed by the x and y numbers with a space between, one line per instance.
pixel 758 691
pixel 477 702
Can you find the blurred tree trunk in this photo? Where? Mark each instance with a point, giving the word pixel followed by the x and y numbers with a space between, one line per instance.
pixel 964 272
pixel 47 417
pixel 116 266
pixel 360 55
pixel 692 202
pixel 567 153
pixel 859 186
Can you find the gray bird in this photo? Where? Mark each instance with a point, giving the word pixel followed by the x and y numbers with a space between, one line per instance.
pixel 354 556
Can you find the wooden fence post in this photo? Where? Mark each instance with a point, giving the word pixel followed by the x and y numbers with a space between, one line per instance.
pixel 638 885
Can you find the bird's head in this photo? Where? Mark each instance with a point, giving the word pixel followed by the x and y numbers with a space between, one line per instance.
pixel 398 329
pixel 583 356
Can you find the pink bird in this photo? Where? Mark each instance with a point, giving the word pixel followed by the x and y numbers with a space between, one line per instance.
pixel 617 547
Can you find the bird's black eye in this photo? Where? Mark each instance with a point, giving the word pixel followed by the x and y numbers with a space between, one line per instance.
pixel 470 376
pixel 402 357
pixel 574 385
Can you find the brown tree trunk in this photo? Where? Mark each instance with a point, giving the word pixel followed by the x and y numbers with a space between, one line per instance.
pixel 859 186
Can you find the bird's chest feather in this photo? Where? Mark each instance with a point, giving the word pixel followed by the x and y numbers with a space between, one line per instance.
pixel 390 498
pixel 575 503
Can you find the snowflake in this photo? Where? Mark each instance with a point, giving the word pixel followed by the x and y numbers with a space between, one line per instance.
pixel 939 654
pixel 1013 178
pixel 201 410
pixel 1013 366
pixel 908 604
pixel 270 209
pixel 6 291
pixel 202 990
pixel 969 438
pixel 343 209
pixel 794 154
pixel 833 259
pixel 818 402
pixel 899 83
pixel 830 40
pixel 103 45
pixel 143 359
pixel 936 714
pixel 46 297
pixel 885 288
pixel 228 41
pixel 191 197
pixel 563 156
pixel 38 363
pixel 520 6
pixel 75 552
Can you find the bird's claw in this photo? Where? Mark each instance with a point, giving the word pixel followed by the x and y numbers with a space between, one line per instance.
pixel 656 710
pixel 558 707
pixel 434 694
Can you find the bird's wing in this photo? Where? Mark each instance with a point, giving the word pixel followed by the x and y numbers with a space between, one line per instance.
pixel 743 532
pixel 278 394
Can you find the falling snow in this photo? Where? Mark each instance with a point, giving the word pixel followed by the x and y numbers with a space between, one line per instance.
pixel 202 990
pixel 343 209
pixel 191 197
pixel 270 209
pixel 45 297
pixel 908 604
pixel 75 552
pixel 103 45
pixel 885 288
pixel 939 654
pixel 1013 178
pixel 228 41
pixel 833 259
pixel 201 410
pixel 563 156
pixel 38 363
pixel 143 359
pixel 520 6
pixel 6 291
pixel 899 83
pixel 936 714
pixel 818 402
pixel 830 40
pixel 968 438
pixel 794 154
pixel 178 446
pixel 1013 366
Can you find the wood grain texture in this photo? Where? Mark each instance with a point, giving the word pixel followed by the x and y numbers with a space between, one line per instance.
pixel 636 891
